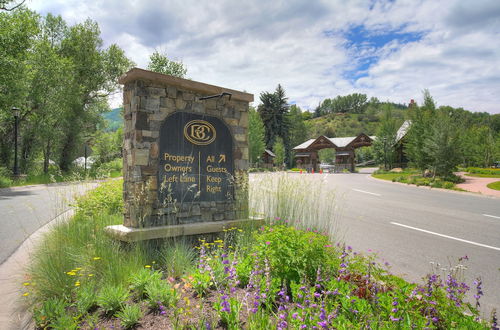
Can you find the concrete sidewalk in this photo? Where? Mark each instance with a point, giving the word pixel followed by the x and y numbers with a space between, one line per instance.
pixel 478 185
pixel 14 314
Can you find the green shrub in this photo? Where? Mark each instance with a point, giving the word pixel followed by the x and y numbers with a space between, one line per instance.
pixel 291 253
pixel 141 278
pixel 107 199
pixel 160 292
pixel 85 298
pixel 110 169
pixel 202 281
pixel 130 315
pixel 437 183
pixel 5 180
pixel 112 298
pixel 49 311
pixel 448 185
pixel 64 322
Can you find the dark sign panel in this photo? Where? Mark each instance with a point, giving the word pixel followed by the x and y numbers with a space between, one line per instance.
pixel 196 159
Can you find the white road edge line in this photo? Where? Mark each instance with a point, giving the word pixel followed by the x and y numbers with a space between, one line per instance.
pixel 367 192
pixel 491 216
pixel 446 236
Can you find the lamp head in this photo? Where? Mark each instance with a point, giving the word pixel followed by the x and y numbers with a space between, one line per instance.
pixel 16 112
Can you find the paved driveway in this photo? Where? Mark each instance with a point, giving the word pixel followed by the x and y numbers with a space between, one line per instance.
pixel 25 209
pixel 479 185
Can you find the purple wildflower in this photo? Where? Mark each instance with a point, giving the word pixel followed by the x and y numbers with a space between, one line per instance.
pixel 226 307
pixel 323 324
pixel 494 320
pixel 479 292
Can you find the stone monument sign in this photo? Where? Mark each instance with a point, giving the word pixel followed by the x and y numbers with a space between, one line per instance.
pixel 185 157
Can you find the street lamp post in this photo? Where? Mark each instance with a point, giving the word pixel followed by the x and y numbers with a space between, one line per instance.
pixel 16 113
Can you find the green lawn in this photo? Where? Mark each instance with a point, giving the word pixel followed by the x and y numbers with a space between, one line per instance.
pixel 389 176
pixel 54 178
pixel 494 185
pixel 483 172
pixel 484 175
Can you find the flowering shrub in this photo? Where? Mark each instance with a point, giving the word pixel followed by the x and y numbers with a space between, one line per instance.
pixel 277 277
pixel 291 253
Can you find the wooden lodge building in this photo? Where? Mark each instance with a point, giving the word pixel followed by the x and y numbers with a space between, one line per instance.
pixel 267 158
pixel 307 153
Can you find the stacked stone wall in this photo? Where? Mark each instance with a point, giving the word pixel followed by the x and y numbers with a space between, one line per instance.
pixel 147 103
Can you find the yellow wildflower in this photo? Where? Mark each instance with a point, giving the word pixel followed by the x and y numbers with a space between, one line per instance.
pixel 97 258
pixel 26 283
pixel 26 294
pixel 147 266
pixel 90 275
pixel 77 283
pixel 71 273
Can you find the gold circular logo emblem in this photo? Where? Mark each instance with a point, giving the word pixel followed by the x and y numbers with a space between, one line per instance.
pixel 199 132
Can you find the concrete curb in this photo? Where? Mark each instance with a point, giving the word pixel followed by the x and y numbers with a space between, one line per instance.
pixel 14 313
pixel 431 188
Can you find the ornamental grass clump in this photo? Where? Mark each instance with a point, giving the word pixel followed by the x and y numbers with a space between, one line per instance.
pixel 303 203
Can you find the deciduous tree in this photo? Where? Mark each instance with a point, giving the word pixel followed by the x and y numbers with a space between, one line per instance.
pixel 256 134
pixel 159 62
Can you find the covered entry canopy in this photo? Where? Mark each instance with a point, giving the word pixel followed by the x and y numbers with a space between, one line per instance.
pixel 307 152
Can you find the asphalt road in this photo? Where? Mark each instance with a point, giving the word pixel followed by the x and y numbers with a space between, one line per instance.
pixel 25 209
pixel 410 227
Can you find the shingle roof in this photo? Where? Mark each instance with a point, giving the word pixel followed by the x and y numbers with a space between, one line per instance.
pixel 269 152
pixel 342 141
pixel 403 130
pixel 304 145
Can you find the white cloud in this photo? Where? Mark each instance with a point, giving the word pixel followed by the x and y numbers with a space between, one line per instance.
pixel 254 45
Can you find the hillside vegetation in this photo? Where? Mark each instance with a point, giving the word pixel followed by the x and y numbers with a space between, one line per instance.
pixel 349 124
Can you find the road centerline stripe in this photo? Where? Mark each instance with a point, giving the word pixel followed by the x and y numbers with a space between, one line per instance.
pixel 366 192
pixel 491 216
pixel 446 236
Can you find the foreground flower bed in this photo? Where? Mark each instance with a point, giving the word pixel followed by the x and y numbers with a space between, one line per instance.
pixel 276 276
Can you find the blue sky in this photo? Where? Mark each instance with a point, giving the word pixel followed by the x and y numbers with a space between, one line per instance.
pixel 314 49
pixel 365 45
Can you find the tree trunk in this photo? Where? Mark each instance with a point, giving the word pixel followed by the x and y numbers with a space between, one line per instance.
pixel 68 150
pixel 46 157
